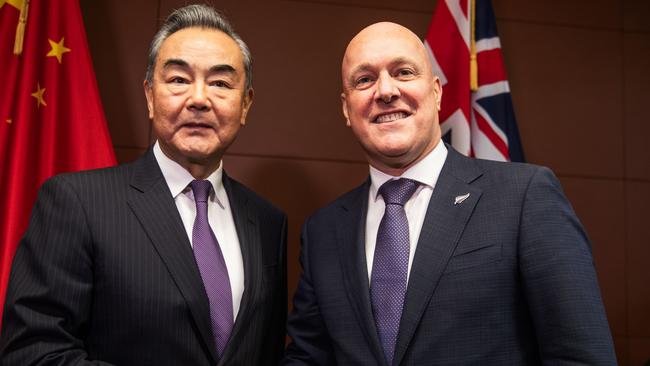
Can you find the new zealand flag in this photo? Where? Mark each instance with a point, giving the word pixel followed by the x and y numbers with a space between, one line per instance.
pixel 479 122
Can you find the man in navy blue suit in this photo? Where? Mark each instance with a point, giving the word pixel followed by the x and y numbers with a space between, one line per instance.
pixel 439 259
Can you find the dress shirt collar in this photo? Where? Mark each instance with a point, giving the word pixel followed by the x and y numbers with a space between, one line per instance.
pixel 425 171
pixel 178 178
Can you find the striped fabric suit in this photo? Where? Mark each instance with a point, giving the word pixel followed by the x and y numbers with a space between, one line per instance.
pixel 106 275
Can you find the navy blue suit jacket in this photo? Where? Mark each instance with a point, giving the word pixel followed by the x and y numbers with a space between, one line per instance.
pixel 504 278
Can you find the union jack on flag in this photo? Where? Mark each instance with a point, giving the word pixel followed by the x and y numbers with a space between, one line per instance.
pixel 478 121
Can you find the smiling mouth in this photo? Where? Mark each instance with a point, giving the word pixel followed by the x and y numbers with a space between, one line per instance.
pixel 390 117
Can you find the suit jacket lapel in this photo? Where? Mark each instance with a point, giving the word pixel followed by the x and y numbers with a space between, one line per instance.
pixel 351 239
pixel 442 228
pixel 153 205
pixel 246 224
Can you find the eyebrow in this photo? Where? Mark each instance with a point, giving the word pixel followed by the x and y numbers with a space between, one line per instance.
pixel 175 62
pixel 222 68
pixel 360 68
pixel 368 66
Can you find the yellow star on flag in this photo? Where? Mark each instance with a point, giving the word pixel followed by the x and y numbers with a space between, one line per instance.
pixel 58 49
pixel 15 3
pixel 38 94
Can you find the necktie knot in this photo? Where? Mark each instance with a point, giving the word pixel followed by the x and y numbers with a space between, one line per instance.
pixel 398 191
pixel 201 190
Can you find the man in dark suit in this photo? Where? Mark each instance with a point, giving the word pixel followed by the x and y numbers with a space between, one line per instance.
pixel 167 260
pixel 439 259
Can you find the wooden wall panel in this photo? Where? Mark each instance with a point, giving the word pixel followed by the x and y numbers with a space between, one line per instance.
pixel 567 91
pixel 638 258
pixel 128 154
pixel 637 100
pixel 575 13
pixel 118 38
pixel 635 15
pixel 423 6
pixel 639 351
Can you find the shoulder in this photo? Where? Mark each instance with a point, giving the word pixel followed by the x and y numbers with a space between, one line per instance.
pixel 496 175
pixel 111 182
pixel 87 179
pixel 532 187
pixel 518 174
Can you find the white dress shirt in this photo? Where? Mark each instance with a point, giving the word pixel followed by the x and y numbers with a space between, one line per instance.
pixel 219 216
pixel 426 172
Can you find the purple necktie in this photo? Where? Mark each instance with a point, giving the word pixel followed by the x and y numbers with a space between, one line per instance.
pixel 212 267
pixel 390 264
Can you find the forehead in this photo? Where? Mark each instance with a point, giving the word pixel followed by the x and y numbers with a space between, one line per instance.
pixel 379 46
pixel 196 44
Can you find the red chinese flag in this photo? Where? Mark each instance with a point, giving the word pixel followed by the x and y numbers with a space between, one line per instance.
pixel 51 117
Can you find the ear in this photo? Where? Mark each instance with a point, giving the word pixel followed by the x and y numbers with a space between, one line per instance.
pixel 148 93
pixel 344 106
pixel 247 101
pixel 437 89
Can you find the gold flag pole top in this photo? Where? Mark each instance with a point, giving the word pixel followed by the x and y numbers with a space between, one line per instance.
pixel 473 66
pixel 20 28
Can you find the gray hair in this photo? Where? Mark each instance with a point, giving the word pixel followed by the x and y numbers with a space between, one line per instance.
pixel 201 16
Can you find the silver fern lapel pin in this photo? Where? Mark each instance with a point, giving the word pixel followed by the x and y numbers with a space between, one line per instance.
pixel 461 198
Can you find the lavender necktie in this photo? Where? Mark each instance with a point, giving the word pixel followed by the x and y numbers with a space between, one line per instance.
pixel 390 264
pixel 212 267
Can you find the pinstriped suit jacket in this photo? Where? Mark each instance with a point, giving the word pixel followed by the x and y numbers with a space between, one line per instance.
pixel 504 278
pixel 106 275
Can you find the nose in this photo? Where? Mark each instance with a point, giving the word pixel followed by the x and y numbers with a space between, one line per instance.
pixel 199 100
pixel 387 89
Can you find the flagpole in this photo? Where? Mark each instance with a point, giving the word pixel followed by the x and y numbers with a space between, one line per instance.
pixel 473 65
pixel 20 28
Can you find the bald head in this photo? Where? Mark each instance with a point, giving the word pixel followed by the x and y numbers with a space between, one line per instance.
pixel 378 36
pixel 391 97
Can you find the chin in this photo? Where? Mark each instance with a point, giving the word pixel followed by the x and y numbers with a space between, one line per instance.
pixel 395 152
pixel 199 154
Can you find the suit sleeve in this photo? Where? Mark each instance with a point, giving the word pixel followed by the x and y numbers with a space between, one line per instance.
pixel 50 288
pixel 560 280
pixel 310 344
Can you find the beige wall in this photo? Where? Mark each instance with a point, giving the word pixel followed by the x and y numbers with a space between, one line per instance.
pixel 578 74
